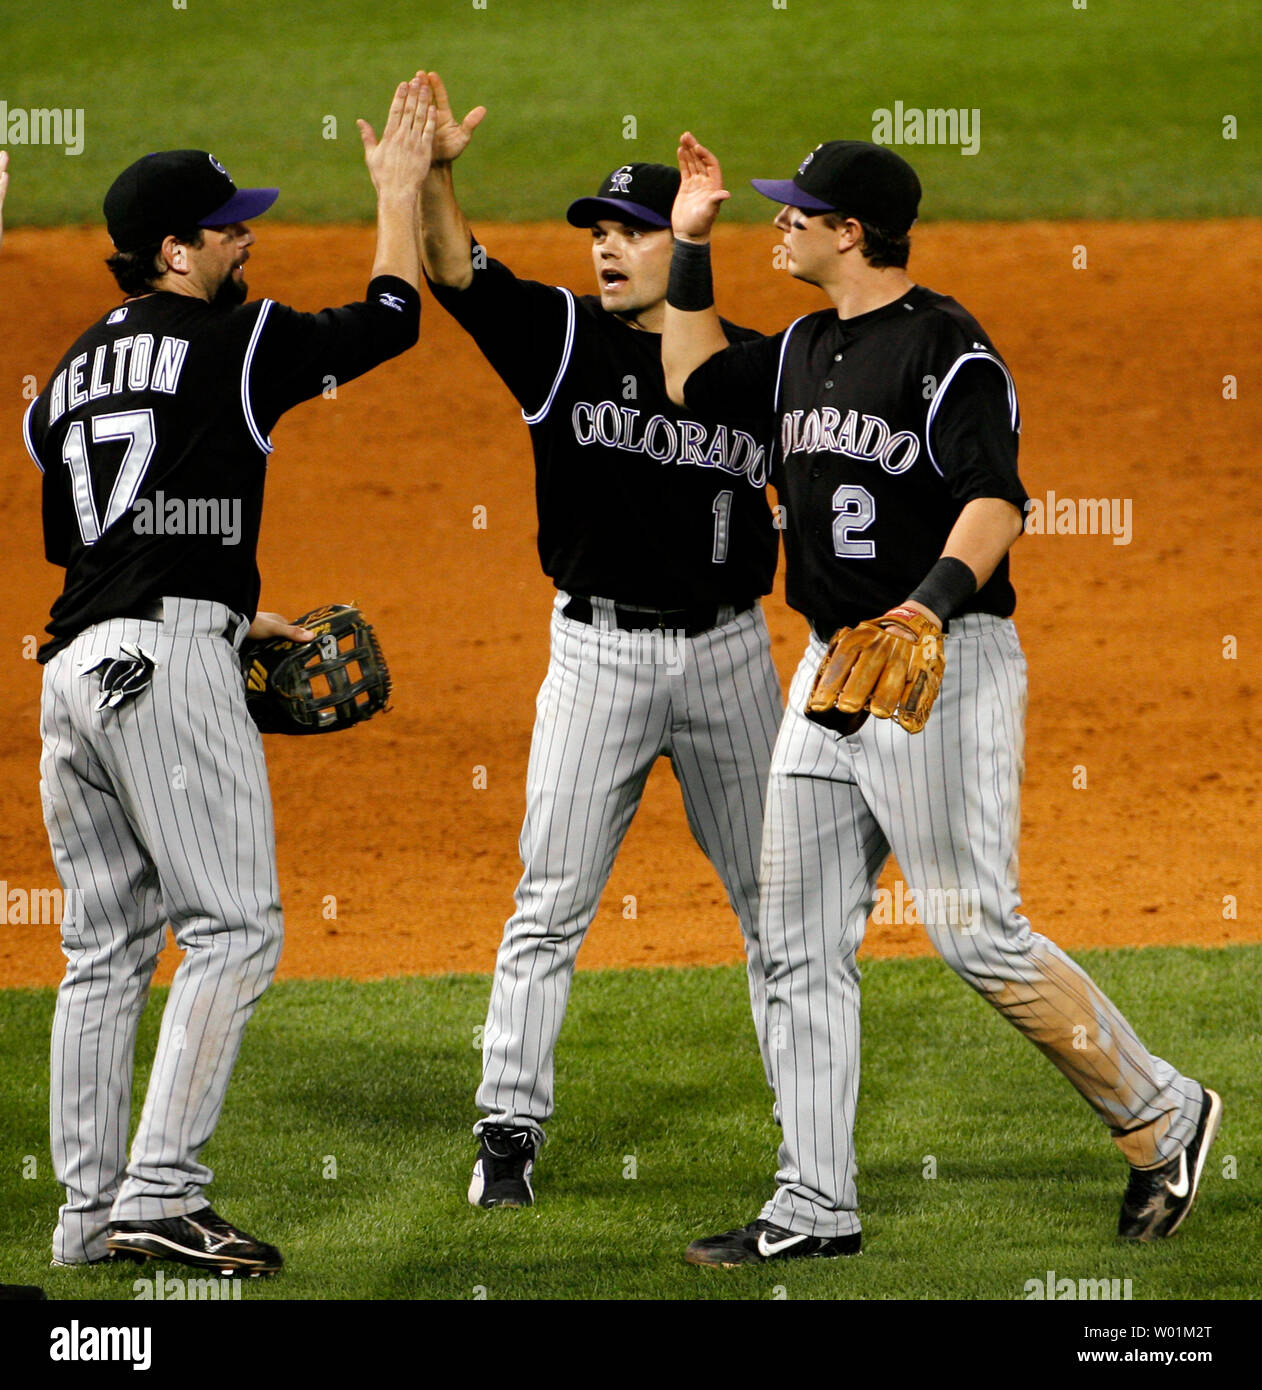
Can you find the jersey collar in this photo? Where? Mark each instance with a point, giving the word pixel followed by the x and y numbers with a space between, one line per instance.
pixel 913 299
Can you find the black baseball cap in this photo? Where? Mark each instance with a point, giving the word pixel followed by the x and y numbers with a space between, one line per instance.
pixel 173 189
pixel 633 192
pixel 855 178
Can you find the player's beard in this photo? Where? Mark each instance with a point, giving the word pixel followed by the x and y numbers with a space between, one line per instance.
pixel 230 293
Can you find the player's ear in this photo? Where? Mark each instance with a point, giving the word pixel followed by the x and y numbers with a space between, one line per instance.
pixel 849 233
pixel 174 255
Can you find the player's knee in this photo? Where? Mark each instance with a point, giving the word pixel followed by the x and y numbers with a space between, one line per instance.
pixel 246 933
pixel 985 949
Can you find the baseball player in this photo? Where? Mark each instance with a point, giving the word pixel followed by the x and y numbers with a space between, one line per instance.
pixel 654 527
pixel 152 435
pixel 897 424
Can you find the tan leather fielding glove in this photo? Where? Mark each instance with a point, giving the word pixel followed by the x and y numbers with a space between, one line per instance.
pixel 890 666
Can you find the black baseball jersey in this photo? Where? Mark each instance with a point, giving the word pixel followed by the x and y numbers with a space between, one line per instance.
pixel 152 435
pixel 638 500
pixel 888 424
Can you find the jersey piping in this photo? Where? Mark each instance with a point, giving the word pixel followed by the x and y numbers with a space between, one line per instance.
pixel 247 409
pixel 566 353
pixel 946 381
pixel 26 435
pixel 784 347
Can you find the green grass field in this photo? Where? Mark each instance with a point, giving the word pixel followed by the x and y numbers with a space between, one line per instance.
pixel 659 1067
pixel 1114 111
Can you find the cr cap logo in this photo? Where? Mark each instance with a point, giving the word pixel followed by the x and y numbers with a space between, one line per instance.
pixel 219 166
pixel 803 166
pixel 620 181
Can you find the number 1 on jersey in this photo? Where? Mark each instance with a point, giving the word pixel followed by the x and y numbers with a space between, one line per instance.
pixel 722 513
pixel 856 510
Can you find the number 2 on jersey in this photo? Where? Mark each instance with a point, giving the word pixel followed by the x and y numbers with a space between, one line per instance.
pixel 856 510
pixel 136 427
pixel 722 510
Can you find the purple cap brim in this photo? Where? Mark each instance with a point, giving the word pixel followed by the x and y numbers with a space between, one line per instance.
pixel 245 203
pixel 586 212
pixel 787 192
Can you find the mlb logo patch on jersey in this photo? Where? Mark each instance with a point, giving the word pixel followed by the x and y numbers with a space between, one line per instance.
pixel 117 316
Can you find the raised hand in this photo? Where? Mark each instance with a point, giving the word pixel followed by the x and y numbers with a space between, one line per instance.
pixel 700 191
pixel 450 135
pixel 400 160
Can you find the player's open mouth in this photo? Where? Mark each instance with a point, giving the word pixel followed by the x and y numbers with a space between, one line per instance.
pixel 609 278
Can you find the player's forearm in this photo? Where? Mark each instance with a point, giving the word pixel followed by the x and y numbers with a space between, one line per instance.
pixel 982 535
pixel 691 333
pixel 398 238
pixel 688 340
pixel 445 232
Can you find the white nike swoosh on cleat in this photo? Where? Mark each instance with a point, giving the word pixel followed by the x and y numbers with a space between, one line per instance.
pixel 766 1249
pixel 1180 1188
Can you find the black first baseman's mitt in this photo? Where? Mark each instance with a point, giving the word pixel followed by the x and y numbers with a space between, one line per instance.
pixel 337 679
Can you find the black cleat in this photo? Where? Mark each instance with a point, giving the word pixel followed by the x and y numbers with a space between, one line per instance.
pixel 760 1242
pixel 202 1239
pixel 1157 1199
pixel 501 1175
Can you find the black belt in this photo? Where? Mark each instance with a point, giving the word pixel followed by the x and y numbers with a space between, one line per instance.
pixel 691 621
pixel 148 612
pixel 151 611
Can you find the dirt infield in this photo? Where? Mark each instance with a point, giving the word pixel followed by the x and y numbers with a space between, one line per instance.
pixel 392 860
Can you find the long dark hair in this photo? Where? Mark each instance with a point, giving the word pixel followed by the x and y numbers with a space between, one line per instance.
pixel 136 270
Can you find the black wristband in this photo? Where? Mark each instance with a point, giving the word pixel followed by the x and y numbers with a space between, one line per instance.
pixel 948 584
pixel 691 286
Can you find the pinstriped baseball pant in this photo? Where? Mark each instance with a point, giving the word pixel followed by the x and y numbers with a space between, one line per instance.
pixel 157 811
pixel 947 803
pixel 611 704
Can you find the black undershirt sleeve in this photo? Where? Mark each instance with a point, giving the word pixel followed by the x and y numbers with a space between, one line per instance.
pixel 974 442
pixel 297 353
pixel 740 381
pixel 518 325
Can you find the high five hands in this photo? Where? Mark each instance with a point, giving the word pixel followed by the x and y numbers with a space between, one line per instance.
pixel 450 136
pixel 700 193
pixel 399 162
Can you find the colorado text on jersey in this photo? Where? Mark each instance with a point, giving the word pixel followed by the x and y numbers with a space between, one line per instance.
pixel 680 441
pixel 823 427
